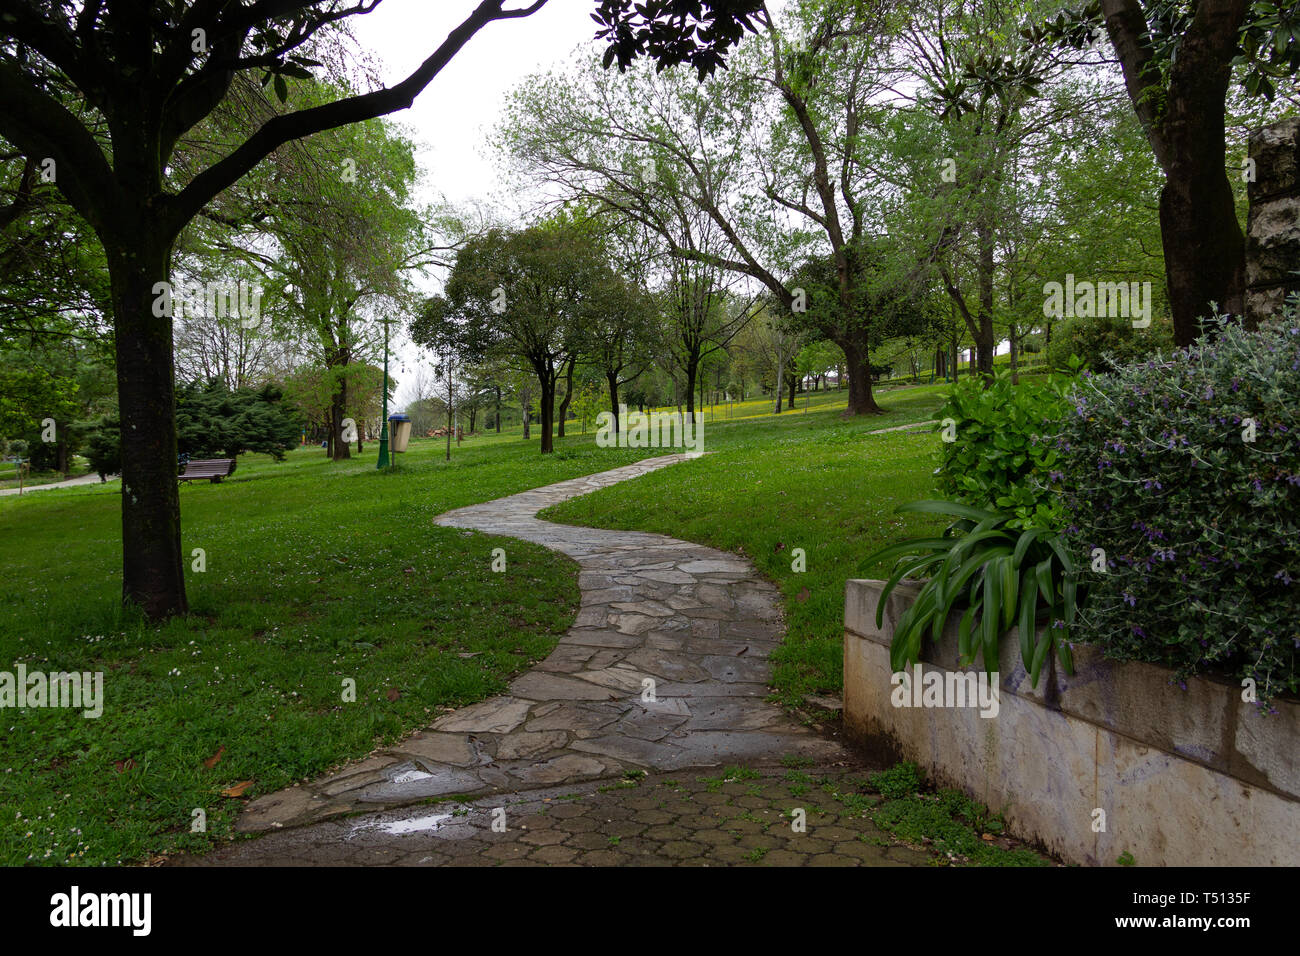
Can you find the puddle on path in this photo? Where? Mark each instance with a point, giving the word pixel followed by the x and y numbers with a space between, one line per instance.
pixel 425 824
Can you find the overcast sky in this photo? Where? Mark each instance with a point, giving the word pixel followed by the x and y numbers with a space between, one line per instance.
pixel 451 118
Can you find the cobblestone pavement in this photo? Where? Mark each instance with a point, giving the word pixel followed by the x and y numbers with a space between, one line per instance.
pixel 731 817
pixel 665 669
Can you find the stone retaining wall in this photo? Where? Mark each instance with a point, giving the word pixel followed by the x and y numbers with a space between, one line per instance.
pixel 1189 777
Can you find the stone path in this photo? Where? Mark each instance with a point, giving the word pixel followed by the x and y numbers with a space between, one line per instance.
pixel 665 669
pixel 903 428
pixel 91 479
pixel 733 817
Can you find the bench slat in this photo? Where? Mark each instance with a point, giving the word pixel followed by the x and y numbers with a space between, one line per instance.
pixel 213 469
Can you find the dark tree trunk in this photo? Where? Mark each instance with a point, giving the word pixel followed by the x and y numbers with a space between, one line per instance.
pixel 1182 112
pixel 1015 351
pixel 985 343
pixel 611 379
pixel 548 414
pixel 793 379
pixel 1205 251
pixel 692 370
pixel 568 397
pixel 498 413
pixel 152 569
pixel 338 403
pixel 858 371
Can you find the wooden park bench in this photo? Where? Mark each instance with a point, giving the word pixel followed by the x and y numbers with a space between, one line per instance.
pixel 213 469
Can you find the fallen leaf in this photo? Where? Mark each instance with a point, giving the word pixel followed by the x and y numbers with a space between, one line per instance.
pixel 238 790
pixel 215 758
pixel 393 693
pixel 780 545
pixel 802 595
pixel 124 765
pixel 987 836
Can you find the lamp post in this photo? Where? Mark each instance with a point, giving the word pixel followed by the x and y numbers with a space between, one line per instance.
pixel 383 423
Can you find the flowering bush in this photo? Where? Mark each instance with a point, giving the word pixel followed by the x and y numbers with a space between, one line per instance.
pixel 1181 483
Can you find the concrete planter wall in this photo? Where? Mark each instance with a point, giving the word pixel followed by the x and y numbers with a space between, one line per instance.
pixel 1185 777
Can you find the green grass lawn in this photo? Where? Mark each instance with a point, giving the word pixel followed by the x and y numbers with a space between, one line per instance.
pixel 814 481
pixel 319 573
pixel 315 573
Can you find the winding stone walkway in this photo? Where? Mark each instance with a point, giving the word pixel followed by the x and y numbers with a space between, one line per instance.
pixel 665 669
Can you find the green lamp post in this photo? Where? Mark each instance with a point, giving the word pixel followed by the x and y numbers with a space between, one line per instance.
pixel 383 424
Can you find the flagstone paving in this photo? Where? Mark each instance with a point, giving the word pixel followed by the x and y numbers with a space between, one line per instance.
pixel 664 670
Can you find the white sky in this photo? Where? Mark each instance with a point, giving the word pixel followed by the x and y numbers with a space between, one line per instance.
pixel 452 117
pixel 463 103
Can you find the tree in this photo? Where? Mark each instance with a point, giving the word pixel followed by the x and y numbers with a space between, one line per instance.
pixel 1178 60
pixel 773 343
pixel 768 155
pixel 528 294
pixel 213 421
pixel 151 72
pixel 143 75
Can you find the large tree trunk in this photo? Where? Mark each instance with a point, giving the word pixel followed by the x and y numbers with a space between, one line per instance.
pixel 1205 251
pixel 498 413
pixel 152 570
pixel 857 366
pixel 1205 258
pixel 793 379
pixel 338 404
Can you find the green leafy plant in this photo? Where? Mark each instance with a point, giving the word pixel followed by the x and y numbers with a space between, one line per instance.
pixel 900 780
pixel 1002 575
pixel 1103 343
pixel 997 455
